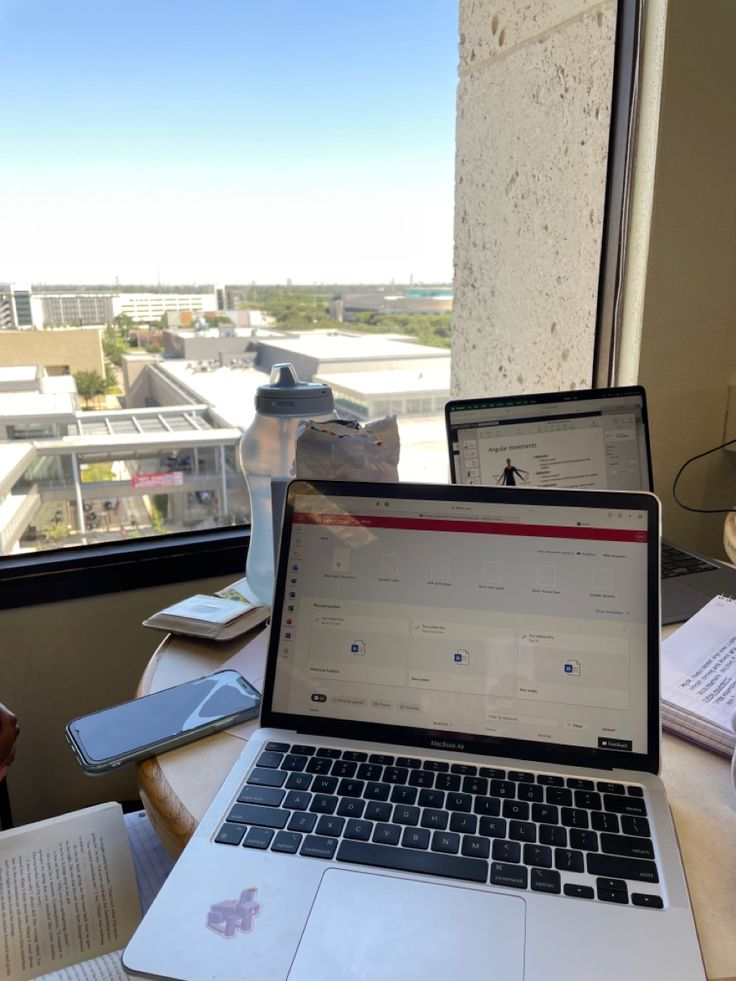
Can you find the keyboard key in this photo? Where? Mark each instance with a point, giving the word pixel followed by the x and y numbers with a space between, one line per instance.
pixel 369 771
pixel 517 809
pixel 297 800
pixel 550 834
pixel 302 821
pixel 349 807
pixel 415 838
pixel 299 781
pixel 475 847
pixel 607 895
pixel 350 788
pixel 530 792
pixel 404 795
pixel 381 758
pixel 376 791
pixel 377 810
pixel 330 825
pixel 538 855
pixel 550 780
pixel 502 788
pixel 286 841
pixel 573 817
pixel 487 805
pixel 637 826
pixel 295 763
pixel 605 787
pixel 464 769
pixel 545 880
pixel 344 768
pixel 545 814
pixel 519 776
pixel 560 796
pixel 588 799
pixel 324 785
pixel 625 805
pixel 492 827
pixel 624 845
pixel 622 868
pixel 567 860
pixel 465 824
pixel 645 899
pixel 506 851
pixel 432 818
pixel 603 821
pixel 395 774
pixel 258 838
pixel 446 841
pixel 475 785
pixel 586 841
pixel 522 831
pixel 319 764
pixel 318 847
pixel 421 778
pixel 492 773
pixel 355 755
pixel 269 796
pixel 447 781
pixel 635 792
pixel 413 860
pixel 267 778
pixel 405 814
pixel 577 783
pixel 578 892
pixel 277 747
pixel 459 802
pixel 436 766
pixel 360 830
pixel 270 759
pixel 330 754
pixel 301 750
pixel 431 798
pixel 323 804
pixel 515 876
pixel 409 761
pixel 264 817
pixel 387 834
pixel 230 834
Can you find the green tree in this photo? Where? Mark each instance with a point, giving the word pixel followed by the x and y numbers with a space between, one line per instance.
pixel 90 384
pixel 111 379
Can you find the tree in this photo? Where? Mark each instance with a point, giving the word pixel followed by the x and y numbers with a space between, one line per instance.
pixel 111 379
pixel 90 384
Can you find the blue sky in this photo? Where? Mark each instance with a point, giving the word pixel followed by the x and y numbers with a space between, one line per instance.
pixel 231 140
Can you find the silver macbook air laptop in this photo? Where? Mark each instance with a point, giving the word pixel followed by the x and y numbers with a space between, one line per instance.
pixel 457 770
pixel 583 439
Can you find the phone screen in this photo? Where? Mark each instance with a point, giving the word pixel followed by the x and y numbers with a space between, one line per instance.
pixel 154 718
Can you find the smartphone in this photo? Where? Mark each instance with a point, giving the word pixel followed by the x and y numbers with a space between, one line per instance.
pixel 164 720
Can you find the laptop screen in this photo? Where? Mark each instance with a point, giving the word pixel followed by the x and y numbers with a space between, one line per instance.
pixel 596 439
pixel 468 613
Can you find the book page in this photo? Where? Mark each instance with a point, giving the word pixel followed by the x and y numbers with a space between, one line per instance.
pixel 699 663
pixel 67 892
pixel 108 967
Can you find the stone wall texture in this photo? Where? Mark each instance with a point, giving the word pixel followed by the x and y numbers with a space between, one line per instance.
pixel 533 117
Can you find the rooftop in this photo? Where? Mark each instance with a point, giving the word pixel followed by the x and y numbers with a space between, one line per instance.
pixel 396 381
pixel 335 345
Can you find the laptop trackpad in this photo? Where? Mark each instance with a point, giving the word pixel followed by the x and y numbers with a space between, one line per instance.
pixel 368 925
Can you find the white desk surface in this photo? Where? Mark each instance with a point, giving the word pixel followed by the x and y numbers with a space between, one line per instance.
pixel 178 787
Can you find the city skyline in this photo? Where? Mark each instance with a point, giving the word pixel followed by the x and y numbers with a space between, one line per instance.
pixel 167 143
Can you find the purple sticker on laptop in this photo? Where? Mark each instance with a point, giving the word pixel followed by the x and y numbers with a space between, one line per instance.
pixel 233 916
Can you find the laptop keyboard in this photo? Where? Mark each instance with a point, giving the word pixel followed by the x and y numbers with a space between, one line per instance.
pixel 675 562
pixel 522 830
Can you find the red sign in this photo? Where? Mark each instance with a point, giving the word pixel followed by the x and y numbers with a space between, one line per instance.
pixel 151 480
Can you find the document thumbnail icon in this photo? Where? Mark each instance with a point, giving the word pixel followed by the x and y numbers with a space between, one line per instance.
pixel 357 647
pixel 461 656
pixel 572 667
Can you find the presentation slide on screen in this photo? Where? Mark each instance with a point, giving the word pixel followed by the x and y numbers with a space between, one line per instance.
pixel 562 458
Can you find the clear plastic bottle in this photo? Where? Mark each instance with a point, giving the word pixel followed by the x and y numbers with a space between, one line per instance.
pixel 267 450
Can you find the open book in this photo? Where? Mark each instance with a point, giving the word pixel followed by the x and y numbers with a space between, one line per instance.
pixel 69 901
pixel 699 677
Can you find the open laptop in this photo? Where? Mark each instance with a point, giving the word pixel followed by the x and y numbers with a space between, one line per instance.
pixel 457 770
pixel 597 439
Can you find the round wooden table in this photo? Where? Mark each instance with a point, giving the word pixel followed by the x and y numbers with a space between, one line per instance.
pixel 177 787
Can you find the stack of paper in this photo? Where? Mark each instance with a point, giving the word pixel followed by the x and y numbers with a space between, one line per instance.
pixel 699 677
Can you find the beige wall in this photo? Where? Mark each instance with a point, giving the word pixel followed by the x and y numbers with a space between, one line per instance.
pixel 62 660
pixel 532 138
pixel 81 350
pixel 688 318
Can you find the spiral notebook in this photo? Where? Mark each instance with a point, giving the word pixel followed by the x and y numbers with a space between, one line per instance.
pixel 699 677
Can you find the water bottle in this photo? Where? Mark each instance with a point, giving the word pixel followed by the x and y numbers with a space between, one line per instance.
pixel 267 450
